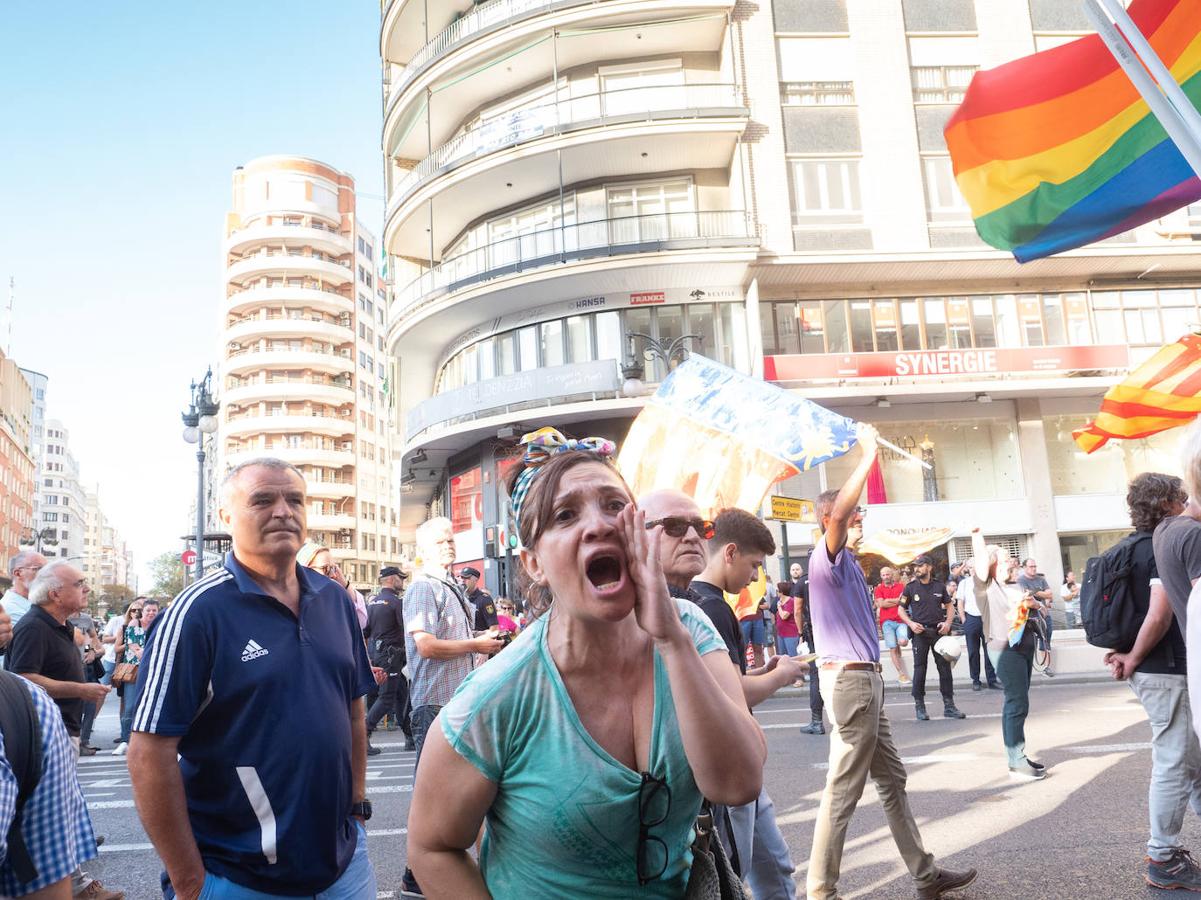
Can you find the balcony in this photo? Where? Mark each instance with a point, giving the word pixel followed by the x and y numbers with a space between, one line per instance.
pixel 306 454
pixel 321 391
pixel 329 490
pixel 275 325
pixel 278 263
pixel 330 522
pixel 507 40
pixel 313 296
pixel 253 360
pixel 289 423
pixel 652 233
pixel 629 133
pixel 278 234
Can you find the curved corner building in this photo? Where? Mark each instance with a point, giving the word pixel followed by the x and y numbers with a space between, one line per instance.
pixel 564 175
pixel 560 176
pixel 302 371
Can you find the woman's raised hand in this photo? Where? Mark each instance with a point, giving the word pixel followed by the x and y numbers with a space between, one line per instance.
pixel 654 609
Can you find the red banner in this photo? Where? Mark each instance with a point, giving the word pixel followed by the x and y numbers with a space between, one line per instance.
pixel 941 363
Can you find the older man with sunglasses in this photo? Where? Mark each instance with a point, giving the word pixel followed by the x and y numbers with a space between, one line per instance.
pixel 738 542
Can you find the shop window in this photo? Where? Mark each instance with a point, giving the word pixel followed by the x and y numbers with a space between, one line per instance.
pixel 550 338
pixel 506 353
pixel 1109 469
pixel 701 322
pixel 972 460
pixel 884 313
pixel 527 342
pixel 911 329
pixel 784 340
pixel 810 326
pixel 579 339
pixel 861 326
pixel 608 336
pixel 838 338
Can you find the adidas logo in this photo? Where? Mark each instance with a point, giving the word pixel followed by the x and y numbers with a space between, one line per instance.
pixel 253 651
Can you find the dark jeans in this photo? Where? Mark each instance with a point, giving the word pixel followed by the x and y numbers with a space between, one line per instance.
pixel 816 706
pixel 1014 667
pixel 393 698
pixel 421 720
pixel 973 630
pixel 923 647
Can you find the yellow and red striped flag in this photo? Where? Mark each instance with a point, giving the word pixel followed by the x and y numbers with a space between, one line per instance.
pixel 1160 394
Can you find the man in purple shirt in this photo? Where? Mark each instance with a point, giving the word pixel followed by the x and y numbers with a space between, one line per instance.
pixel 844 629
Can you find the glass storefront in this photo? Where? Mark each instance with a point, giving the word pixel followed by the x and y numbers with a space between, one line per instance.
pixel 1109 469
pixel 973 459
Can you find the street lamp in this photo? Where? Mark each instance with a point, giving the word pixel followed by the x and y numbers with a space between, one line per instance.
pixel 199 420
pixel 47 537
pixel 671 354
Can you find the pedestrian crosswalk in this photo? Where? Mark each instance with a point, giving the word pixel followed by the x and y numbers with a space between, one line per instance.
pixel 106 786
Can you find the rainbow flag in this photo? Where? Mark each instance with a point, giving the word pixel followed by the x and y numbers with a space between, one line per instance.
pixel 1160 394
pixel 1058 150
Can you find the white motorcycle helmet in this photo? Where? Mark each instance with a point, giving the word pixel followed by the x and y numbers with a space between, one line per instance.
pixel 949 648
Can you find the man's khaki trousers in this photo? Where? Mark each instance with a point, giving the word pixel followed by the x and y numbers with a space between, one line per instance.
pixel 860 744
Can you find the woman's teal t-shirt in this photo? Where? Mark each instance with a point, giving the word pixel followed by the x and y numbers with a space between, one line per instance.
pixel 565 819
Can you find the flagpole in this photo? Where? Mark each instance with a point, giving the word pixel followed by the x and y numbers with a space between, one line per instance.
pixel 905 453
pixel 1148 74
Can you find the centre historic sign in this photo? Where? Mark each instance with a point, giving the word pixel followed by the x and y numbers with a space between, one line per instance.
pixel 944 363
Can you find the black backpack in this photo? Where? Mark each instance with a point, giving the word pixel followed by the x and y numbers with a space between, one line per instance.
pixel 1108 608
pixel 23 749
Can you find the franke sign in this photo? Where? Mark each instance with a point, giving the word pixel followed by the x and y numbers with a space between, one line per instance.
pixel 944 363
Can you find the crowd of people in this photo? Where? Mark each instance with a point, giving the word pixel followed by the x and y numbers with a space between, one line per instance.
pixel 593 736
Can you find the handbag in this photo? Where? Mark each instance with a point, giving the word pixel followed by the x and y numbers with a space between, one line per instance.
pixel 125 673
pixel 712 877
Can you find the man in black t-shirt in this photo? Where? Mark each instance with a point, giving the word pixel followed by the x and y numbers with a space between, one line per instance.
pixel 800 592
pixel 1156 669
pixel 927 609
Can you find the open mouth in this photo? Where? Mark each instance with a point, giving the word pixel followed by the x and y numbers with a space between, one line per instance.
pixel 604 572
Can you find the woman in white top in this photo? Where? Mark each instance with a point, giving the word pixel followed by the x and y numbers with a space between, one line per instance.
pixel 1010 647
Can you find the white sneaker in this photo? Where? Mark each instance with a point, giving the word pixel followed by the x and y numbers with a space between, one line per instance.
pixel 120 749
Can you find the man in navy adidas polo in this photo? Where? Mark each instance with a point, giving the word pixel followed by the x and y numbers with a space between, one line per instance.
pixel 255 677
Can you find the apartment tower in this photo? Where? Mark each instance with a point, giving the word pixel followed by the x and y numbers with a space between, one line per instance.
pixel 303 373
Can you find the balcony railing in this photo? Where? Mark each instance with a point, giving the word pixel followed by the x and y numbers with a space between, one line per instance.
pixel 344 354
pixel 268 251
pixel 677 101
pixel 603 237
pixel 485 17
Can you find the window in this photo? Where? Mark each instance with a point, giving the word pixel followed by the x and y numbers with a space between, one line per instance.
pixel 940 84
pixel 651 212
pixel 551 341
pixel 817 93
pixel 642 86
pixel 944 202
pixel 579 339
pixel 825 191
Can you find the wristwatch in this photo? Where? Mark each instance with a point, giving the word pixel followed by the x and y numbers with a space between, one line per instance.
pixel 362 810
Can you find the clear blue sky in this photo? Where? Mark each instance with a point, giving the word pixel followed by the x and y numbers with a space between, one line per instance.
pixel 120 126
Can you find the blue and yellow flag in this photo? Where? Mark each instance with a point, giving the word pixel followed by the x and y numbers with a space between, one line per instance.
pixel 725 438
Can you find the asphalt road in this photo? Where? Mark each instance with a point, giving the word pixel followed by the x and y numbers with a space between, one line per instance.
pixel 1081 833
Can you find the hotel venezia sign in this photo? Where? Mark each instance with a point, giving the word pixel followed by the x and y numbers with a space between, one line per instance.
pixel 944 363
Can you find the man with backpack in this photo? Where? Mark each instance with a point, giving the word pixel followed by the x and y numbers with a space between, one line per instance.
pixel 1151 656
pixel 45 830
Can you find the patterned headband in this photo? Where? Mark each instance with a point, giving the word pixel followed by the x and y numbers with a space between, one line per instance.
pixel 540 446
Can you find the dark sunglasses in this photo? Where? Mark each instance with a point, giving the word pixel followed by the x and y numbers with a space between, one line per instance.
pixel 654 804
pixel 677 526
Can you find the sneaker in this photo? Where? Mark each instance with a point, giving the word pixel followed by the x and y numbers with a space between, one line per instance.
pixel 1036 765
pixel 995 686
pixel 1026 772
pixel 950 711
pixel 87 750
pixel 96 891
pixel 372 750
pixel 1179 873
pixel 920 712
pixel 409 886
pixel 946 881
pixel 904 679
pixel 119 751
pixel 409 746
pixel 977 686
pixel 1049 672
pixel 814 727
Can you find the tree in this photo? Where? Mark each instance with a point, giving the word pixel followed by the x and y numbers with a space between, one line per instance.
pixel 112 596
pixel 167 569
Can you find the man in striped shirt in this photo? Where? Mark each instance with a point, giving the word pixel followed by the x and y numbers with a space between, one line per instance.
pixel 255 677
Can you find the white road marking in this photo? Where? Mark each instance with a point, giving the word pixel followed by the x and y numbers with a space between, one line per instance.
pixel 1107 748
pixel 108 782
pixel 102 794
pixel 112 804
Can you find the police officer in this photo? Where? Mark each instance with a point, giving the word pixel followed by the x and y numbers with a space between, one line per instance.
pixel 927 609
pixel 485 606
